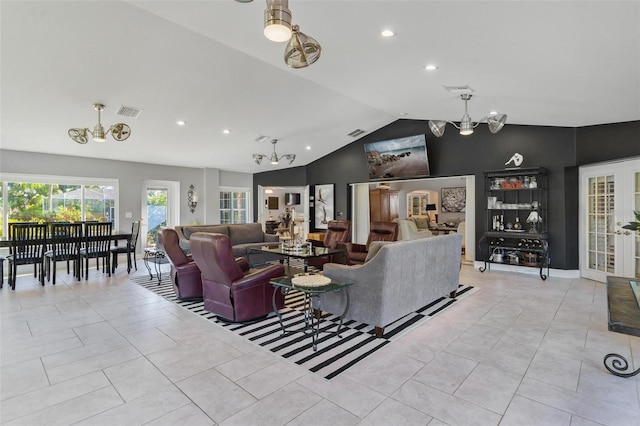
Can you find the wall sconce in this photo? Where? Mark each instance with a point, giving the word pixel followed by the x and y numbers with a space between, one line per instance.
pixel 192 198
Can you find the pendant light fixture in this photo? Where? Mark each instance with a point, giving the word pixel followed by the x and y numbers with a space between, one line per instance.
pixel 273 158
pixel 119 131
pixel 277 21
pixel 495 122
pixel 301 50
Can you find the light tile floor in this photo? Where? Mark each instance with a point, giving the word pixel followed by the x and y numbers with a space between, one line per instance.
pixel 520 351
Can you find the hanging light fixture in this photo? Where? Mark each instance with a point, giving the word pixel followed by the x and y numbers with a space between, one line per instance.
pixel 495 122
pixel 301 50
pixel 119 131
pixel 273 158
pixel 277 21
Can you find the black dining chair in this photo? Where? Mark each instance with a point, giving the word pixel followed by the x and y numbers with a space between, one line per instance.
pixel 65 242
pixel 97 242
pixel 129 249
pixel 28 241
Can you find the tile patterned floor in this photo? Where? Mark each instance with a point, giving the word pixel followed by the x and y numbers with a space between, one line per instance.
pixel 521 351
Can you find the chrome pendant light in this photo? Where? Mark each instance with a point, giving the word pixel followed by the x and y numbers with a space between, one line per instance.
pixel 277 21
pixel 301 50
pixel 495 122
pixel 274 158
pixel 119 131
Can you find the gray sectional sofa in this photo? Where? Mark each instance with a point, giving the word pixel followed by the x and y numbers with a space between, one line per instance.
pixel 243 236
pixel 396 279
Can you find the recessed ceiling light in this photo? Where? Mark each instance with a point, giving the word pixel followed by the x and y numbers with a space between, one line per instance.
pixel 430 67
pixel 226 131
pixel 493 113
pixel 308 148
pixel 387 33
pixel 181 122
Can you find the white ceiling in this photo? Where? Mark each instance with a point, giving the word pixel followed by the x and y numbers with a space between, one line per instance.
pixel 555 63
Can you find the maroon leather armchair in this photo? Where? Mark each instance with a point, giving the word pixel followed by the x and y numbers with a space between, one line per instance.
pixel 228 291
pixel 378 231
pixel 338 231
pixel 185 274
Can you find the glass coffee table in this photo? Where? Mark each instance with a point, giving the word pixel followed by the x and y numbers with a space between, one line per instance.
pixel 311 286
pixel 305 254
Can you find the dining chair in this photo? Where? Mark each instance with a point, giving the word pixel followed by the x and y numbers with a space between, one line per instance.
pixel 65 242
pixel 129 249
pixel 27 247
pixel 97 242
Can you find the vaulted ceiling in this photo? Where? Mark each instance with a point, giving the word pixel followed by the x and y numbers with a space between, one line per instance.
pixel 554 63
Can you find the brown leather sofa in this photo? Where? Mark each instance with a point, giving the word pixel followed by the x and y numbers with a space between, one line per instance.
pixel 378 231
pixel 185 274
pixel 338 231
pixel 228 291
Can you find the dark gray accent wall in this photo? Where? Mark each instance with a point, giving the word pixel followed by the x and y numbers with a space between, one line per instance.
pixel 560 149
pixel 607 142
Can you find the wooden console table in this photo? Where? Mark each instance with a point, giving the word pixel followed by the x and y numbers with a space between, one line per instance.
pixel 624 317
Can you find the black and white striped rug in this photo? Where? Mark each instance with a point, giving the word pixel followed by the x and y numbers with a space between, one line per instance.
pixel 334 354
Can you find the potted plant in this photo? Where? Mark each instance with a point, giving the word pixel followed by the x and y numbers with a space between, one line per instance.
pixel 634 226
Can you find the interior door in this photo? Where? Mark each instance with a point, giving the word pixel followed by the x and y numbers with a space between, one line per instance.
pixel 609 194
pixel 160 208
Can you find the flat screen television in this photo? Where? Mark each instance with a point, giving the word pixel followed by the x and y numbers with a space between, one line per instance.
pixel 291 199
pixel 397 158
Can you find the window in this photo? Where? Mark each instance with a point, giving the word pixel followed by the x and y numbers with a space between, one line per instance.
pixel 234 206
pixel 55 199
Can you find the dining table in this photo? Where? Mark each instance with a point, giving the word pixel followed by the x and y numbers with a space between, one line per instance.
pixel 5 242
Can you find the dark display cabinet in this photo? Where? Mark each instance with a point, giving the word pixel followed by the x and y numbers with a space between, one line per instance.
pixel 516 226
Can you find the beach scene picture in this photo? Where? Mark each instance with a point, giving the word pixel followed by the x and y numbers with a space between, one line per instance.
pixel 397 158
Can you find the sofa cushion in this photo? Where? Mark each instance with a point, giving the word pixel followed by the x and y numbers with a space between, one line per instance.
pixel 246 233
pixel 215 229
pixel 374 248
pixel 421 222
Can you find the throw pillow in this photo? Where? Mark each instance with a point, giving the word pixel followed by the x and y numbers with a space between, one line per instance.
pixel 421 222
pixel 374 248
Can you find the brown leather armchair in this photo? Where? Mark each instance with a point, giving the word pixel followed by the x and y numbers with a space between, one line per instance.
pixel 228 291
pixel 185 274
pixel 378 231
pixel 338 231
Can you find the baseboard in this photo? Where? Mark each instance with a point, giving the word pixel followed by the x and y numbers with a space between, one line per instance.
pixel 556 273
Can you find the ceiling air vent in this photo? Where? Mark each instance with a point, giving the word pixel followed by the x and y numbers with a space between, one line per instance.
pixel 128 111
pixel 459 89
pixel 263 138
pixel 356 133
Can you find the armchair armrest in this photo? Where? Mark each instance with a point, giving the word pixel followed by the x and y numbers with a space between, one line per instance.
pixel 260 277
pixel 354 247
pixel 243 263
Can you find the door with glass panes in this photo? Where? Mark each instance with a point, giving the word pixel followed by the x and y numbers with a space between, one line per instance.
pixel 609 194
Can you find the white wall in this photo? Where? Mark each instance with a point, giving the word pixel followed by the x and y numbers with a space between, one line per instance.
pixel 131 176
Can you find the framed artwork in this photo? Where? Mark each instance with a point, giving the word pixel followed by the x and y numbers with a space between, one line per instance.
pixel 454 200
pixel 323 205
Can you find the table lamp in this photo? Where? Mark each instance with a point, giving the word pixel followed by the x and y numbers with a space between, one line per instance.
pixel 534 218
pixel 431 208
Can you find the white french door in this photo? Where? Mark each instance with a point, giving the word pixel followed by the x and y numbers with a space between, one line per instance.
pixel 160 208
pixel 609 194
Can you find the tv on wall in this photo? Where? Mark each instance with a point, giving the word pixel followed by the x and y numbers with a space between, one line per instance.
pixel 397 158
pixel 291 199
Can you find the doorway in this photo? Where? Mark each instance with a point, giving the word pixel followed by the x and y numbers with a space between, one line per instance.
pixel 160 208
pixel 609 193
pixel 433 186
pixel 273 200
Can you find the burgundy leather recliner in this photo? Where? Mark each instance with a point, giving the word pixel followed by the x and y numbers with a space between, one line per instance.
pixel 228 291
pixel 185 274
pixel 338 231
pixel 378 231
